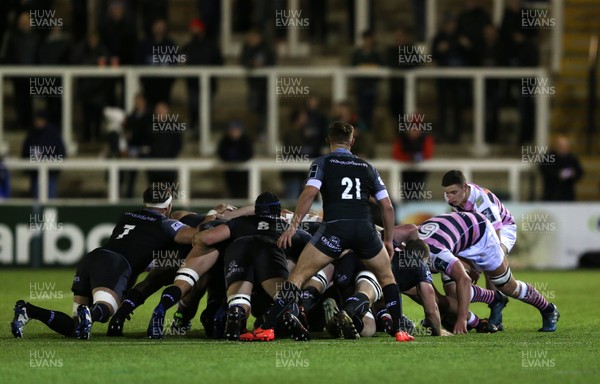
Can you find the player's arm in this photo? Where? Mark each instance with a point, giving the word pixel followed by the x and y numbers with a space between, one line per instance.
pixel 302 207
pixel 387 212
pixel 388 218
pixel 212 236
pixel 311 189
pixel 405 232
pixel 232 214
pixel 463 292
pixel 432 312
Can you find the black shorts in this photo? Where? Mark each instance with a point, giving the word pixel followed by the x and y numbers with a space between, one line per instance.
pixel 101 268
pixel 254 259
pixel 333 237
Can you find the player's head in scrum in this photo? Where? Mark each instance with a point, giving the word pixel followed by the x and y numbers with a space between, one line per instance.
pixel 416 249
pixel 340 135
pixel 267 204
pixel 455 187
pixel 158 197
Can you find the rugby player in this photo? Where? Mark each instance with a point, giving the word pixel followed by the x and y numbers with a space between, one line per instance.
pixel 471 236
pixel 470 197
pixel 346 183
pixel 106 272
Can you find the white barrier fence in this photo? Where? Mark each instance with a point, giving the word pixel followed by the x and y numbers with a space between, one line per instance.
pixel 390 171
pixel 340 77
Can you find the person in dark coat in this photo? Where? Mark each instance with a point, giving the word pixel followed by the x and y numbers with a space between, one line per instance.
pixel 236 147
pixel 561 171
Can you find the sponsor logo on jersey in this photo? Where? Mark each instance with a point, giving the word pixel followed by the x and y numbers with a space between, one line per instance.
pixel 479 201
pixel 177 225
pixel 488 214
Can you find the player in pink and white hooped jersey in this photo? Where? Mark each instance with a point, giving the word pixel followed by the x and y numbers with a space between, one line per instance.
pixel 470 197
pixel 471 236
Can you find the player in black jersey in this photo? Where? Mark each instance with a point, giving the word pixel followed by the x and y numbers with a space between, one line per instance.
pixel 106 272
pixel 203 256
pixel 346 183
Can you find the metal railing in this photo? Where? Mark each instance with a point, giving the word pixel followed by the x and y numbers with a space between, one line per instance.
pixel 340 76
pixel 390 171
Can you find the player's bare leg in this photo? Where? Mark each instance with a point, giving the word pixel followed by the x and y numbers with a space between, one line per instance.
pixel 502 277
pixel 380 266
pixel 238 302
pixel 198 262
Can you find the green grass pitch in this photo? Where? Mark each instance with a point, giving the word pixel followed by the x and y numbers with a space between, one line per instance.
pixel 518 355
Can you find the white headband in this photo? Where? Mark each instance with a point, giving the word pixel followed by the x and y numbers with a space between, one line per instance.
pixel 160 205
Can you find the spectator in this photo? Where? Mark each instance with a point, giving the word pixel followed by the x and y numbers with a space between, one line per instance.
pixel 55 50
pixel 138 131
pixel 158 49
pixel 22 47
pixel 470 25
pixel 519 45
pixel 394 59
pixel 236 147
pixel 413 146
pixel 449 50
pixel 91 91
pixel 316 125
pixel 166 143
pixel 200 51
pixel 561 172
pixel 295 144
pixel 118 35
pixel 366 56
pixel 256 53
pixel 490 56
pixel 43 144
pixel 210 12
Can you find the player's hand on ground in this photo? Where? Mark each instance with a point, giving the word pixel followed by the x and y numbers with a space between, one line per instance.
pixel 285 240
pixel 460 327
pixel 445 333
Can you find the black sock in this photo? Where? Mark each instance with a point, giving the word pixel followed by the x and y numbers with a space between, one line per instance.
pixel 357 305
pixel 285 298
pixel 131 301
pixel 189 311
pixel 170 297
pixel 56 321
pixel 359 325
pixel 393 303
pixel 310 297
pixel 100 313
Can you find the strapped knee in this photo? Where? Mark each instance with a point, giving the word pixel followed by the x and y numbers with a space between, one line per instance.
pixel 369 278
pixel 187 275
pixel 500 281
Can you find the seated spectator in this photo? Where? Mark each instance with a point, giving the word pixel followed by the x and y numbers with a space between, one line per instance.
pixel 394 60
pixel 43 144
pixel 236 147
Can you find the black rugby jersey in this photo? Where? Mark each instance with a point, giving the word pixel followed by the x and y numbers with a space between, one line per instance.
pixel 139 233
pixel 346 183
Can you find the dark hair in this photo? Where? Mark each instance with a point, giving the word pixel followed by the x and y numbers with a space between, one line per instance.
pixel 340 132
pixel 416 249
pixel 267 204
pixel 453 177
pixel 157 193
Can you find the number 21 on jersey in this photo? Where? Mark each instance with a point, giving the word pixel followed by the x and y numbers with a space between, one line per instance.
pixel 347 194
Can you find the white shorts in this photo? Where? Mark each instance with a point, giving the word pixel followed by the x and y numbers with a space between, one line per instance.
pixel 508 236
pixel 487 254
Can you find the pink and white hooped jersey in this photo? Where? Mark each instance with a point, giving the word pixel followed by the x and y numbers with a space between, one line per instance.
pixel 482 200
